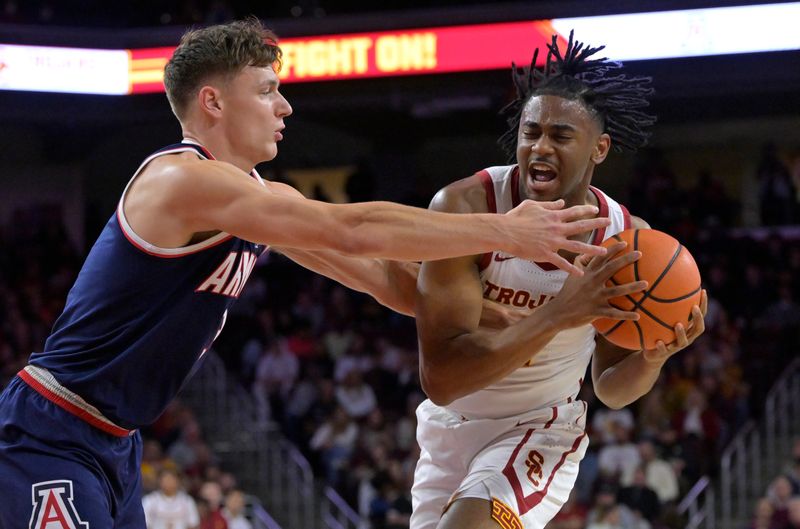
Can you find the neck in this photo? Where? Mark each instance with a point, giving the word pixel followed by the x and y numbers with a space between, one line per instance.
pixel 219 148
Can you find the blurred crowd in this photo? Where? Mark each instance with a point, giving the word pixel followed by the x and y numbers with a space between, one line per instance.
pixel 780 506
pixel 339 373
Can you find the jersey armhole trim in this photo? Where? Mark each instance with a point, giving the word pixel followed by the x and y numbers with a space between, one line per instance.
pixel 151 249
pixel 491 204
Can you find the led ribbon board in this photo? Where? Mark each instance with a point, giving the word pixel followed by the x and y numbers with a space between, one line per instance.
pixel 640 36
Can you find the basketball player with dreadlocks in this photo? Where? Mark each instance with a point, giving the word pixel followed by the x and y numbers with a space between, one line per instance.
pixel 502 433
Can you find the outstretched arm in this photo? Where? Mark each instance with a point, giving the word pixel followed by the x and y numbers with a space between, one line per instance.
pixel 202 195
pixel 392 283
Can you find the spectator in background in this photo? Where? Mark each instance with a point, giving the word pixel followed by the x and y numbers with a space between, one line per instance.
pixel 619 458
pixel 779 494
pixel 355 396
pixel 698 427
pixel 187 448
pixel 762 517
pixel 606 513
pixel 276 373
pixel 211 494
pixel 169 507
pixel 640 498
pixel 659 475
pixel 234 511
pixel 794 513
pixel 793 468
pixel 776 190
pixel 334 441
pixel 357 358
pixel 606 420
pixel 152 457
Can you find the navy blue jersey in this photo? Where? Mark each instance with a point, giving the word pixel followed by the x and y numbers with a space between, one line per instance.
pixel 140 317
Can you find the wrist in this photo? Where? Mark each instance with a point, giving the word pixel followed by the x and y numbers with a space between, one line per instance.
pixel 501 227
pixel 654 362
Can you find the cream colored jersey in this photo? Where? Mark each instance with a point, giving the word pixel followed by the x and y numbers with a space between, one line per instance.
pixel 554 375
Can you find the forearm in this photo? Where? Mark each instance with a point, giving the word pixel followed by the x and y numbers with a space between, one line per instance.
pixel 393 231
pixel 391 283
pixel 627 380
pixel 463 364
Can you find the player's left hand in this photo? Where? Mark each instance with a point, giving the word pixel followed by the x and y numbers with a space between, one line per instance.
pixel 684 337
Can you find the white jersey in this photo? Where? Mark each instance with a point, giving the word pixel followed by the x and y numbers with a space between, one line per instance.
pixel 555 374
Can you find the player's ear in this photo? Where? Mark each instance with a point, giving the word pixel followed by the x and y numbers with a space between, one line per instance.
pixel 601 148
pixel 208 98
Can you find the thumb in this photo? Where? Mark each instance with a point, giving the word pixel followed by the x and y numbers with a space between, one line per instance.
pixel 555 204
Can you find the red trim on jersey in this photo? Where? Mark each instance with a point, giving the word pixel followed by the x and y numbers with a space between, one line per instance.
pixel 600 235
pixel 66 405
pixel 491 204
pixel 552 419
pixel 488 186
pixel 526 503
pixel 515 201
pixel 165 256
pixel 626 216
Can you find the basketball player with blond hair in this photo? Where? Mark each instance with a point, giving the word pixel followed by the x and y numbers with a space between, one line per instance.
pixel 155 289
pixel 502 433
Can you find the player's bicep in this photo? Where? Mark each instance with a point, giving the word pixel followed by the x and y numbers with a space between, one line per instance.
pixel 449 291
pixel 448 300
pixel 217 196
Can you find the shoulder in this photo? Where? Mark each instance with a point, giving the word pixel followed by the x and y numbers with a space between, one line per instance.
pixel 462 196
pixel 185 172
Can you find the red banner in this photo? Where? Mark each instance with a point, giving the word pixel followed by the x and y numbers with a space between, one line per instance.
pixel 381 54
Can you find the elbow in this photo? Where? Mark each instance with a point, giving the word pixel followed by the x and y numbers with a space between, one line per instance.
pixel 611 401
pixel 438 394
pixel 614 405
pixel 436 385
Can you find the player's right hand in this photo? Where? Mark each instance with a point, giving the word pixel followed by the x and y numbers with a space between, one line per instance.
pixel 585 298
pixel 538 230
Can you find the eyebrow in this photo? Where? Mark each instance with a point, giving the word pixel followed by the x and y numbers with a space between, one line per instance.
pixel 558 126
pixel 269 84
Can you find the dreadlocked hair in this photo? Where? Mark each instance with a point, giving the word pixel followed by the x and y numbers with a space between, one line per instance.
pixel 613 98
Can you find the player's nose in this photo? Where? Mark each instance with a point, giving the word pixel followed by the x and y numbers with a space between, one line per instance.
pixel 284 108
pixel 542 145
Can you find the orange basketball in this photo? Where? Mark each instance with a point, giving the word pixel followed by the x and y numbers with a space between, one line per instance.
pixel 674 288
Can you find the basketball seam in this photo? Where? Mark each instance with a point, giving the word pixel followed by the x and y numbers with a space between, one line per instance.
pixel 680 298
pixel 616 325
pixel 641 335
pixel 646 295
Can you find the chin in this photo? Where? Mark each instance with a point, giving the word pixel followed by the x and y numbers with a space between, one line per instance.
pixel 270 153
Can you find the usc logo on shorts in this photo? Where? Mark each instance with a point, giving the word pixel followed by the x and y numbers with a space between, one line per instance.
pixel 534 464
pixel 53 507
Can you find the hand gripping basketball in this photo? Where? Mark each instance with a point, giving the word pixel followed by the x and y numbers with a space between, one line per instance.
pixel 673 306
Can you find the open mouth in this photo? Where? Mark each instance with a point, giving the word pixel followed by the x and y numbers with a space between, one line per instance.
pixel 541 173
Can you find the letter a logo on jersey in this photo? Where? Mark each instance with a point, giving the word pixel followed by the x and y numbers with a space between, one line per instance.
pixel 53 507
